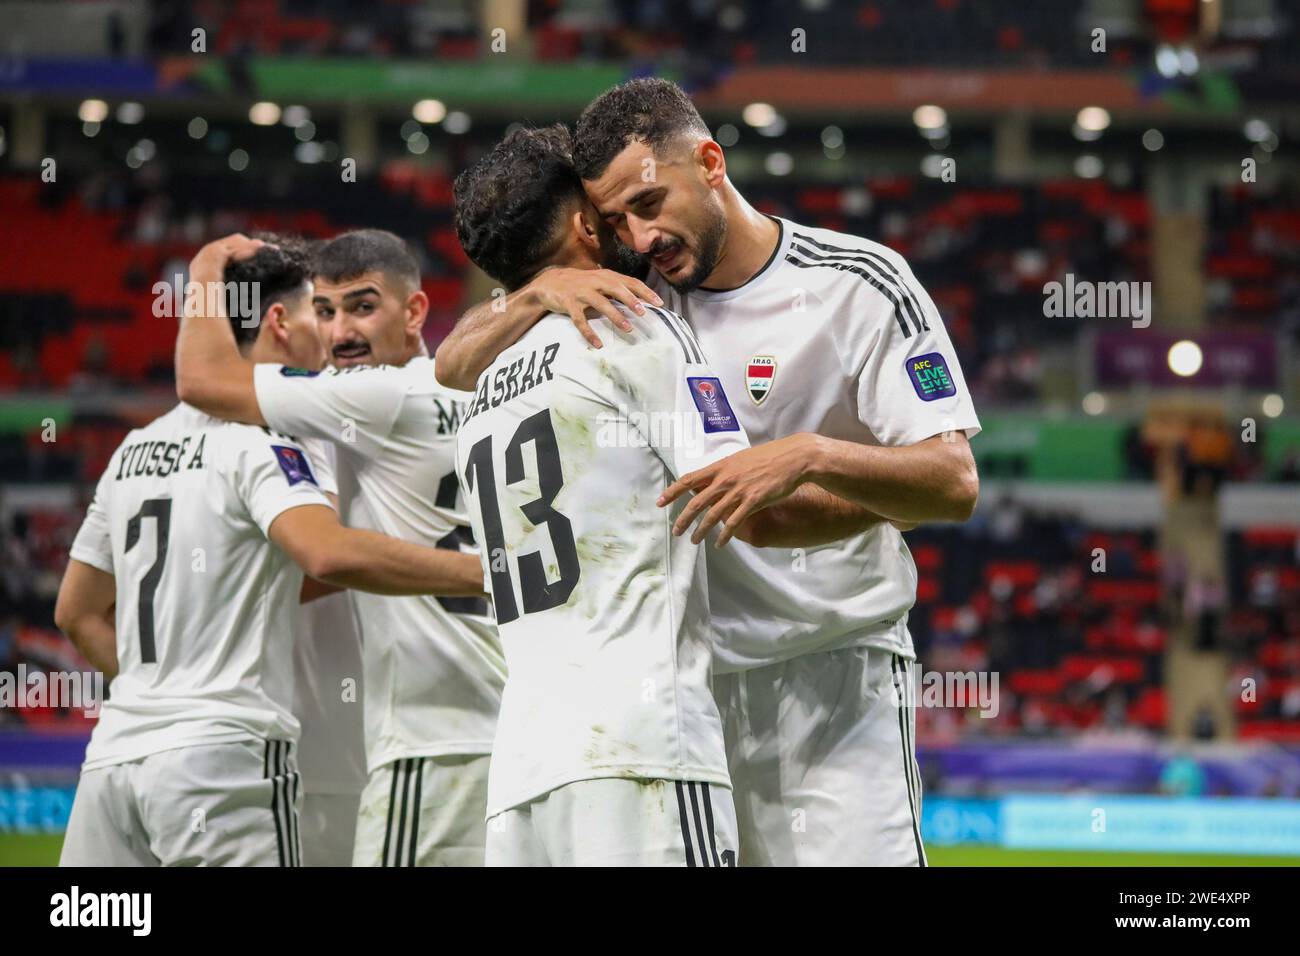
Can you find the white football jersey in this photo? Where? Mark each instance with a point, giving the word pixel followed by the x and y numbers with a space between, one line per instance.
pixel 206 605
pixel 327 683
pixel 834 336
pixel 433 669
pixel 603 612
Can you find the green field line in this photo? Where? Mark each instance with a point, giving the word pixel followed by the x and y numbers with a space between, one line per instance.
pixel 43 850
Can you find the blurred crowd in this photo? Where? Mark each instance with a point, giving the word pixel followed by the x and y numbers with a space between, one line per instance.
pixel 1083 652
pixel 705 37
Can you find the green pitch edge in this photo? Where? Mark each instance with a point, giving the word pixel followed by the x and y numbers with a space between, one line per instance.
pixel 494 80
pixel 20 415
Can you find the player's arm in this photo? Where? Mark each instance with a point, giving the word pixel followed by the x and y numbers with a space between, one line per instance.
pixel 912 397
pixel 809 517
pixel 85 611
pixel 313 590
pixel 211 375
pixel 368 561
pixel 489 328
pixel 933 480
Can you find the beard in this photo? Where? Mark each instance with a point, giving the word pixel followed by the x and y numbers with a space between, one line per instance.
pixel 707 248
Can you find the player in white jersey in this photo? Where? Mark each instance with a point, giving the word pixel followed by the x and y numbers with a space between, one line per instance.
pixel 609 748
pixel 327 700
pixel 327 703
pixel 433 668
pixel 851 386
pixel 192 761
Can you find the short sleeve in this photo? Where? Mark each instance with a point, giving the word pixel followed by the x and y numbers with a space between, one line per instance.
pixel 322 456
pixel 93 544
pixel 701 427
pixel 354 406
pixel 909 383
pixel 271 473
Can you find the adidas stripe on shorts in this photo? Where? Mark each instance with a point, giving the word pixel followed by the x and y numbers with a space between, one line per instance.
pixel 223 804
pixel 424 811
pixel 614 821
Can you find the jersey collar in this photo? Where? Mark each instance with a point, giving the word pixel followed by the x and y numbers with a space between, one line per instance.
pixel 769 267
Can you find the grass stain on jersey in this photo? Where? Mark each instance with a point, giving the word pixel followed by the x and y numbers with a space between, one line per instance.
pixel 657 787
pixel 599 549
pixel 605 369
pixel 643 580
pixel 573 433
pixel 602 751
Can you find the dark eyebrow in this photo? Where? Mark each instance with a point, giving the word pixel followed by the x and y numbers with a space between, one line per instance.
pixel 358 293
pixel 632 201
pixel 321 300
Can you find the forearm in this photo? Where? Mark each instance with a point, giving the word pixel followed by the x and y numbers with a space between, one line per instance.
pixel 933 480
pixel 809 517
pixel 211 375
pixel 95 636
pixel 369 561
pixel 483 333
pixel 85 611
pixel 312 590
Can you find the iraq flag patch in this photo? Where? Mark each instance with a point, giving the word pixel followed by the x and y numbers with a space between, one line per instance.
pixel 759 374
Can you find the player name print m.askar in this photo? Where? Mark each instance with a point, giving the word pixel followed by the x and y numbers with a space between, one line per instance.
pixel 513 380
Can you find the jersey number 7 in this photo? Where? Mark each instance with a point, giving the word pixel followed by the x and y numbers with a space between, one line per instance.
pixel 538 593
pixel 160 509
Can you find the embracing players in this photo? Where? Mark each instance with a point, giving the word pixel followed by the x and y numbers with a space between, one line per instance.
pixel 609 746
pixel 851 385
pixel 183 586
pixel 433 669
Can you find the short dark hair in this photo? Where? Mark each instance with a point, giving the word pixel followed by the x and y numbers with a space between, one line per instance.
pixel 512 204
pixel 650 111
pixel 352 254
pixel 281 269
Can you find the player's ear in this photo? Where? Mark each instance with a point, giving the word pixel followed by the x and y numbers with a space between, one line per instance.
pixel 585 226
pixel 417 310
pixel 713 162
pixel 277 320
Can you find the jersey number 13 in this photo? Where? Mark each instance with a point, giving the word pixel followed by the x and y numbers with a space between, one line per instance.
pixel 538 592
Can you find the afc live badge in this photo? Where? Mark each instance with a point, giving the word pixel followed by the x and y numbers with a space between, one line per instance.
pixel 930 377
pixel 759 374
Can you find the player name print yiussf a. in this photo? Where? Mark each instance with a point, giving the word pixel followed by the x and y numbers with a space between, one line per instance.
pixel 760 372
